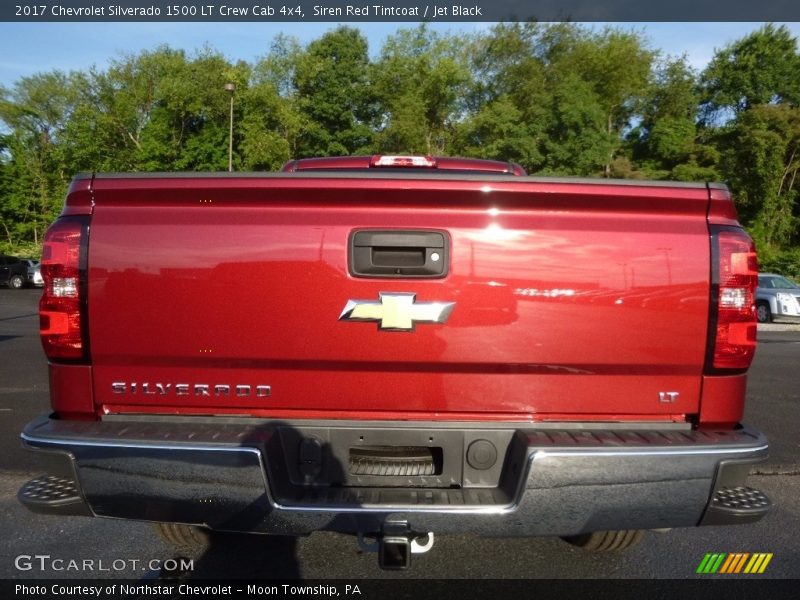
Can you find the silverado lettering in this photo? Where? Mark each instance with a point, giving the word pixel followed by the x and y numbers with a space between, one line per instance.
pixel 459 347
pixel 185 389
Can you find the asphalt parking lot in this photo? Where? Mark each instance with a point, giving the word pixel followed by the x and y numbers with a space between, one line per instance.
pixel 773 406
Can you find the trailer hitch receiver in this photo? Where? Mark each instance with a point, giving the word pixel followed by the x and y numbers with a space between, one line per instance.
pixel 395 544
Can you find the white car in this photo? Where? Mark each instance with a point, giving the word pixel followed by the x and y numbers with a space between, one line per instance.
pixel 776 296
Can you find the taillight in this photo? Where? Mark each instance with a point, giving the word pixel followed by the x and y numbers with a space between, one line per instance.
pixel 403 161
pixel 62 309
pixel 732 339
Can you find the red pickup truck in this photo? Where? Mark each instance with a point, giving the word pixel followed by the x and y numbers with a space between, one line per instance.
pixel 395 347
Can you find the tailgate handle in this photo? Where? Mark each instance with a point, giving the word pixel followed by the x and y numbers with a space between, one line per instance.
pixel 392 253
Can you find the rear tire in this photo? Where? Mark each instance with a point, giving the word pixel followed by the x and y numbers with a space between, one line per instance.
pixel 16 282
pixel 606 541
pixel 763 313
pixel 188 539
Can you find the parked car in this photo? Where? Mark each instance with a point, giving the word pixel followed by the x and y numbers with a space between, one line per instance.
pixel 776 296
pixel 13 272
pixel 34 272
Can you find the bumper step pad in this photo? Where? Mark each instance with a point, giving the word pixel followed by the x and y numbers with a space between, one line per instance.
pixel 393 461
pixel 53 495
pixel 734 505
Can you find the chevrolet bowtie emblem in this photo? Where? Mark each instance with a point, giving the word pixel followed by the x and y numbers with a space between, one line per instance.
pixel 396 311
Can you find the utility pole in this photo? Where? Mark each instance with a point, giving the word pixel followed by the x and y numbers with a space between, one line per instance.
pixel 230 87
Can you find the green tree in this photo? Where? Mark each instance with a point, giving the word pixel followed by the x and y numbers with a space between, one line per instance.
pixel 272 122
pixel 158 110
pixel 36 111
pixel 499 132
pixel 577 142
pixel 420 80
pixel 332 81
pixel 750 94
pixel 760 68
pixel 762 158
pixel 615 68
pixel 575 92
pixel 667 143
pixel 509 100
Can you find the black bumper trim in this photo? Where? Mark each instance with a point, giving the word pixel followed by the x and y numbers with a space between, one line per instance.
pixel 51 494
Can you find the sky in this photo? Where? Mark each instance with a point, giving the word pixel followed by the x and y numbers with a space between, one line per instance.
pixel 28 48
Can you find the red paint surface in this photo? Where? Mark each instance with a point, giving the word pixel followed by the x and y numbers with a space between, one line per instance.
pixel 723 401
pixel 80 197
pixel 72 390
pixel 573 300
pixel 721 209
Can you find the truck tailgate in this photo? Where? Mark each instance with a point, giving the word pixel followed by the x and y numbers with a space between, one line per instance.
pixel 217 295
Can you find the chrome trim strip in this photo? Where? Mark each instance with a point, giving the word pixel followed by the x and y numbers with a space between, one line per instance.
pixel 373 423
pixel 105 444
pixel 543 453
pixel 675 452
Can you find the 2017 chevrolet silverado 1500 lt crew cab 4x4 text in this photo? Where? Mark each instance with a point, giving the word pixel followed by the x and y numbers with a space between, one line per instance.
pixel 395 347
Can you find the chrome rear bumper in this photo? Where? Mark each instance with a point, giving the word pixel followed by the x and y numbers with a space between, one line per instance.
pixel 552 479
